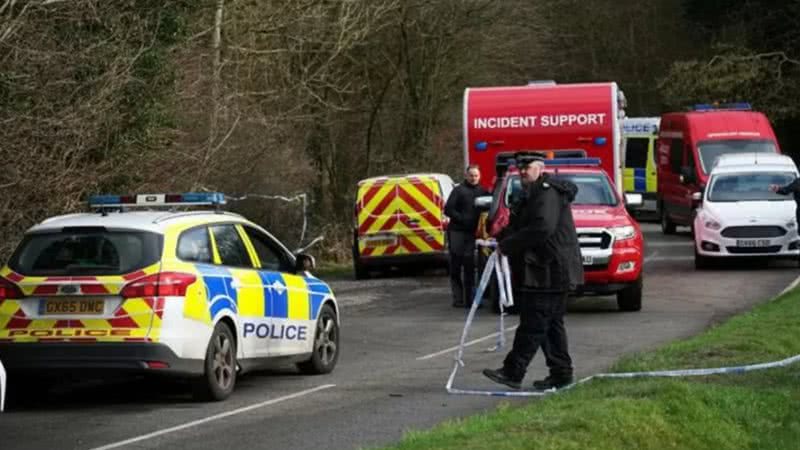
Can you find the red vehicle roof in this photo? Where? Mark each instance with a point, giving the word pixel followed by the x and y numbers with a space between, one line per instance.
pixel 717 125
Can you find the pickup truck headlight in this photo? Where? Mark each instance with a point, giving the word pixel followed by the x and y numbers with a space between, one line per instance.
pixel 625 232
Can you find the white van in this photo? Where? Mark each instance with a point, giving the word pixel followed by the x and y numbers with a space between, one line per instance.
pixel 739 216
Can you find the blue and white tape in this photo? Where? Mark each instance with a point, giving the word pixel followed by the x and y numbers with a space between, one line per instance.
pixel 502 271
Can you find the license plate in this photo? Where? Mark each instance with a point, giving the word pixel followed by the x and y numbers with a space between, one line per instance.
pixel 55 307
pixel 587 260
pixel 380 241
pixel 753 243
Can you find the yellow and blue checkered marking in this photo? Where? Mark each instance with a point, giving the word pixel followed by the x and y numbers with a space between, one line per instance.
pixel 220 292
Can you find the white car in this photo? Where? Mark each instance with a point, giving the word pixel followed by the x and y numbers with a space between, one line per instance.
pixel 739 216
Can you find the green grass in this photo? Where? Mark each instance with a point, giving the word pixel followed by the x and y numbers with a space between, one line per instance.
pixel 758 410
pixel 333 270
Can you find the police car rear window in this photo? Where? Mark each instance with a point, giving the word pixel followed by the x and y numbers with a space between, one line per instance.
pixel 86 251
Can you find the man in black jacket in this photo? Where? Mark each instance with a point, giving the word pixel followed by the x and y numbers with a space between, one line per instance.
pixel 791 188
pixel 460 208
pixel 544 239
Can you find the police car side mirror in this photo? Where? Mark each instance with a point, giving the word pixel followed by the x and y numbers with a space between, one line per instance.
pixel 633 200
pixel 304 262
pixel 483 203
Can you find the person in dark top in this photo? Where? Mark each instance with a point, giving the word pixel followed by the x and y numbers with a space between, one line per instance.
pixel 791 188
pixel 542 237
pixel 463 215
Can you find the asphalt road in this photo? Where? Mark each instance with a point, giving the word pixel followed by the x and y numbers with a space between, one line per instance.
pixel 391 375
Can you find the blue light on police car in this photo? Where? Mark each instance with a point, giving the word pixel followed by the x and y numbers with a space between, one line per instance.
pixel 600 140
pixel 189 198
pixel 481 146
pixel 214 198
pixel 105 199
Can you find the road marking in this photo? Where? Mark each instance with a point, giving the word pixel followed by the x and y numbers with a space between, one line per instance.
pixel 669 244
pixel 212 418
pixel 791 286
pixel 669 258
pixel 476 341
pixel 650 257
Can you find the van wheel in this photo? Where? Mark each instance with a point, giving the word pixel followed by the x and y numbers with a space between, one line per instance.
pixel 667 225
pixel 219 378
pixel 359 269
pixel 630 298
pixel 325 352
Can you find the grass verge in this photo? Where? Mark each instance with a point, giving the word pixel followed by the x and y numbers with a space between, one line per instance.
pixel 334 270
pixel 758 410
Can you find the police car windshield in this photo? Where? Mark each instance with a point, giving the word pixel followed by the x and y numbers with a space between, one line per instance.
pixel 742 187
pixel 711 150
pixel 592 189
pixel 86 252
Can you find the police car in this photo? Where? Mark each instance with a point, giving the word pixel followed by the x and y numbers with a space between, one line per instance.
pixel 204 294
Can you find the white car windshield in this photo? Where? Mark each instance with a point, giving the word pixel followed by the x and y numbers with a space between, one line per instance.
pixel 741 187
pixel 711 150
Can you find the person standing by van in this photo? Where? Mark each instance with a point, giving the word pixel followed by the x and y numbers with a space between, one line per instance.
pixel 460 208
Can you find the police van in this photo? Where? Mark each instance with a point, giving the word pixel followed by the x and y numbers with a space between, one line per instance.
pixel 205 295
pixel 639 135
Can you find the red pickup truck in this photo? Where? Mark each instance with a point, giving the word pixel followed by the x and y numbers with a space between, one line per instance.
pixel 610 239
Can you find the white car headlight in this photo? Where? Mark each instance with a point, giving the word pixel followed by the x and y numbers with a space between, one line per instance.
pixel 711 224
pixel 791 224
pixel 624 232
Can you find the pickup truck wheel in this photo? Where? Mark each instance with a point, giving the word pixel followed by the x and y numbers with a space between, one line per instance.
pixel 630 298
pixel 667 225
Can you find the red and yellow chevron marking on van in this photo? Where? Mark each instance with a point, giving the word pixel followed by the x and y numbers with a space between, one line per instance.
pixel 133 320
pixel 400 216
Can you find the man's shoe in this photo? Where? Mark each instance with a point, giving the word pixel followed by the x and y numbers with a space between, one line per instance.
pixel 499 376
pixel 552 382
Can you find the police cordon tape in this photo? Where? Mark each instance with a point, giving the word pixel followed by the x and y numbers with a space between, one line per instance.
pixel 502 271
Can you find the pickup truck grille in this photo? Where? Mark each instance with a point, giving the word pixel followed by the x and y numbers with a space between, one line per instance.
pixel 594 239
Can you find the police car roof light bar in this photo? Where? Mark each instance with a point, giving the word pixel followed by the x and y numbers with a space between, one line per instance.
pixel 156 200
pixel 591 162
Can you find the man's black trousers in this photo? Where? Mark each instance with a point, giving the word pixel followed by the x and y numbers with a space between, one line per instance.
pixel 462 259
pixel 541 324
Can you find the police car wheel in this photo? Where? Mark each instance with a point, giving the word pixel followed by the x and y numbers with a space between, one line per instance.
pixel 325 353
pixel 219 378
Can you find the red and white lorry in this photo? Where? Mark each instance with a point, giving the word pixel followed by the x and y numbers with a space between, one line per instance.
pixel 563 121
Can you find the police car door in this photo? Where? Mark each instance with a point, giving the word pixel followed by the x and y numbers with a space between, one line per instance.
pixel 242 285
pixel 290 329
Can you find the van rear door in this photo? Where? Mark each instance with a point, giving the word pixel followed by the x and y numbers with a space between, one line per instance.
pixel 400 216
